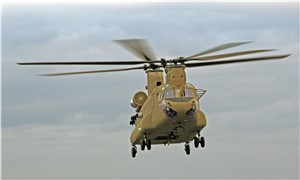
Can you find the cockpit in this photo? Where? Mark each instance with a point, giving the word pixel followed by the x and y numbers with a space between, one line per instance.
pixel 170 92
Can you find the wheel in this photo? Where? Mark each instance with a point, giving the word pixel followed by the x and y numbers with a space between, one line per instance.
pixel 187 149
pixel 202 142
pixel 196 142
pixel 148 144
pixel 133 151
pixel 143 144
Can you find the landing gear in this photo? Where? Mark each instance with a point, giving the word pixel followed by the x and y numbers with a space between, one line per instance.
pixel 133 151
pixel 187 149
pixel 199 140
pixel 144 143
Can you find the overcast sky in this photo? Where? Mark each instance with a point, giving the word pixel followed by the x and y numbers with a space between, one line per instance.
pixel 78 126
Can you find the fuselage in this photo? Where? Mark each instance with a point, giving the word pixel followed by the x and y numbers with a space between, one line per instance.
pixel 169 115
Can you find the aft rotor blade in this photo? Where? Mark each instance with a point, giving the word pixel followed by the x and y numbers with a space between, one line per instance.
pixel 87 63
pixel 95 71
pixel 220 56
pixel 139 47
pixel 209 63
pixel 217 48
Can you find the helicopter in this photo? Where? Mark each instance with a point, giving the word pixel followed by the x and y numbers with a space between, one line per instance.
pixel 170 111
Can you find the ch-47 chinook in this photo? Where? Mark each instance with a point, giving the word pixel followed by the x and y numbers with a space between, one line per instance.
pixel 170 111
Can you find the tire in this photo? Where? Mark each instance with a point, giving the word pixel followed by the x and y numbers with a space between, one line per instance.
pixel 196 142
pixel 187 149
pixel 143 144
pixel 148 144
pixel 202 142
pixel 133 152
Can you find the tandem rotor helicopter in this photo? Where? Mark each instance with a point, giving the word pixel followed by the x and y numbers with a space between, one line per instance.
pixel 169 112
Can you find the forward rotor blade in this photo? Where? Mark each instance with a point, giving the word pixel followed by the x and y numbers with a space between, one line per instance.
pixel 217 48
pixel 89 72
pixel 139 47
pixel 209 63
pixel 87 63
pixel 220 56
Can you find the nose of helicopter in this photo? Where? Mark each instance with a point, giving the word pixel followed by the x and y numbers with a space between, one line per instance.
pixel 180 107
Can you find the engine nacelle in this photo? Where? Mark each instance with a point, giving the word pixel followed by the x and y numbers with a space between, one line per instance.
pixel 138 99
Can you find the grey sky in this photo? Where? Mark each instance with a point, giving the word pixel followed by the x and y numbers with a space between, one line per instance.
pixel 78 126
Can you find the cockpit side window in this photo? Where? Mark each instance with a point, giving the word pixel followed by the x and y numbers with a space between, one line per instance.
pixel 188 91
pixel 168 93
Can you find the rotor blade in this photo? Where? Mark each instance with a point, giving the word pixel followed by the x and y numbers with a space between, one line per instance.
pixel 209 63
pixel 220 56
pixel 89 72
pixel 139 47
pixel 218 48
pixel 87 63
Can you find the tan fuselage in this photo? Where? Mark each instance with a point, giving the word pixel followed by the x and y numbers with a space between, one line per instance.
pixel 154 123
pixel 160 129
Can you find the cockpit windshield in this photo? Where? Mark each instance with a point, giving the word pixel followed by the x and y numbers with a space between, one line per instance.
pixel 183 91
